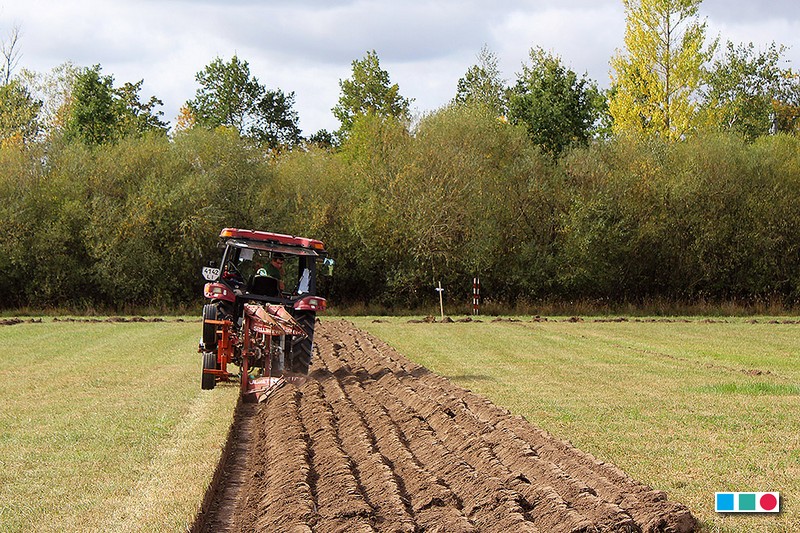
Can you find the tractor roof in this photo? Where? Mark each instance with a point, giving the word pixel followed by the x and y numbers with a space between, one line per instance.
pixel 269 238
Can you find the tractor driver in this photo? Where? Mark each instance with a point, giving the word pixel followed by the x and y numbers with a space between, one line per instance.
pixel 274 269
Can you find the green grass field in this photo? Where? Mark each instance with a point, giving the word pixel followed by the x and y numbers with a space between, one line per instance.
pixel 104 426
pixel 689 408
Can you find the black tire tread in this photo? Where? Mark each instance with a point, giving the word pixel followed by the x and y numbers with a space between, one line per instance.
pixel 210 312
pixel 208 381
pixel 303 346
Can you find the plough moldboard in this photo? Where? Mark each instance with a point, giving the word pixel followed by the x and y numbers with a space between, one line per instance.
pixel 258 348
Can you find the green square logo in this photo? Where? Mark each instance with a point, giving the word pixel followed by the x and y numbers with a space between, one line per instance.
pixel 747 502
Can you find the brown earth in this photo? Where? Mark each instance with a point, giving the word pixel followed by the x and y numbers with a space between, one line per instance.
pixel 374 442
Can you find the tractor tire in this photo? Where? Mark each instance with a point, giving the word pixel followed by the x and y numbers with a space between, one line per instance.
pixel 209 381
pixel 301 347
pixel 210 312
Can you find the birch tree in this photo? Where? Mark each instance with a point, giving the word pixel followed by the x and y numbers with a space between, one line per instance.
pixel 657 77
pixel 482 84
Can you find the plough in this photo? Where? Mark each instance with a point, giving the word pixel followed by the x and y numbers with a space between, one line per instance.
pixel 258 348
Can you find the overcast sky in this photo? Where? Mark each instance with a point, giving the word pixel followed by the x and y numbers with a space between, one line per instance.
pixel 307 46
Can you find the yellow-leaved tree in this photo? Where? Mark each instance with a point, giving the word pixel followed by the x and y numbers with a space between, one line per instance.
pixel 656 79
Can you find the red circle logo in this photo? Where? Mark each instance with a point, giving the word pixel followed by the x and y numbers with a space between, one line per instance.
pixel 768 502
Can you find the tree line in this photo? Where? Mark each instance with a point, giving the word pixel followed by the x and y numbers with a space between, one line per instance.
pixel 713 217
pixel 680 182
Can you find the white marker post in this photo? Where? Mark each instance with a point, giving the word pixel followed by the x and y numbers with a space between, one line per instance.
pixel 476 295
pixel 441 301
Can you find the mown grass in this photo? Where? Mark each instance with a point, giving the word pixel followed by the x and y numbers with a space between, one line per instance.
pixel 690 408
pixel 104 426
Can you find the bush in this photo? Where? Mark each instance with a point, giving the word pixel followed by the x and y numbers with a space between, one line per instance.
pixel 464 194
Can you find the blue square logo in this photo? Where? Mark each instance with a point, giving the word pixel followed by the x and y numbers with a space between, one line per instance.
pixel 724 502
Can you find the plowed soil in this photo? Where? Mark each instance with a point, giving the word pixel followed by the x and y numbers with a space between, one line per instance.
pixel 374 442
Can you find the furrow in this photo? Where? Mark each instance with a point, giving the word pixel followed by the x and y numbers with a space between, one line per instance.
pixel 432 502
pixel 281 492
pixel 433 400
pixel 479 452
pixel 341 505
pixel 487 501
pixel 375 442
pixel 372 469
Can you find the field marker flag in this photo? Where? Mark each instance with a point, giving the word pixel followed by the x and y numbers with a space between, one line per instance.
pixel 441 302
pixel 747 502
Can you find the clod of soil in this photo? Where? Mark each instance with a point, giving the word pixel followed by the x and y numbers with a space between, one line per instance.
pixel 374 442
pixel 14 321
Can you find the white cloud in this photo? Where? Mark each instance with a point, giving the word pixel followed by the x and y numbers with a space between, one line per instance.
pixel 762 33
pixel 307 46
pixel 748 11
pixel 584 38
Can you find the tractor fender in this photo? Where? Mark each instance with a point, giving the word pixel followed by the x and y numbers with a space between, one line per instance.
pixel 311 303
pixel 218 291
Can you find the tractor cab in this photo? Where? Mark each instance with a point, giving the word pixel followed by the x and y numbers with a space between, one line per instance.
pixel 263 271
pixel 266 267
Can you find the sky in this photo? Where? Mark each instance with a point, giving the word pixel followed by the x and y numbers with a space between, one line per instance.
pixel 308 46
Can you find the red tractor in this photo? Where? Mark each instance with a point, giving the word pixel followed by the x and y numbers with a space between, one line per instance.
pixel 261 310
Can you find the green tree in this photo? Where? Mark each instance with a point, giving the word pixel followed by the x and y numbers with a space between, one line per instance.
pixel 748 92
pixel 227 95
pixel 54 90
pixel 369 91
pixel 230 96
pixel 92 117
pixel 19 113
pixel 557 108
pixel 98 113
pixel 324 139
pixel 276 120
pixel 787 108
pixel 657 79
pixel 135 117
pixel 482 84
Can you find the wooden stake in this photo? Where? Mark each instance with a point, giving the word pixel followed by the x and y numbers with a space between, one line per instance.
pixel 441 300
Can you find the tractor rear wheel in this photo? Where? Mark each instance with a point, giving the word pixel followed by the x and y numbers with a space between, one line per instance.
pixel 302 347
pixel 209 381
pixel 210 312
